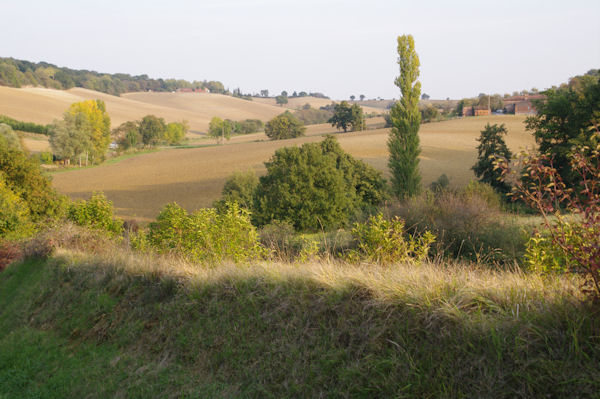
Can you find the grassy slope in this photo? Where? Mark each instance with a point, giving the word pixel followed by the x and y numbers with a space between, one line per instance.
pixel 129 326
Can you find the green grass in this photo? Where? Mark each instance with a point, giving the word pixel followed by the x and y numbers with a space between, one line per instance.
pixel 126 325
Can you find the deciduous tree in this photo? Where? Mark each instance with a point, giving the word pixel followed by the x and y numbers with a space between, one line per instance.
pixel 492 146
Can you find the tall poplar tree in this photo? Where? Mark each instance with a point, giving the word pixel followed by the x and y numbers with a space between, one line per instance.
pixel 403 142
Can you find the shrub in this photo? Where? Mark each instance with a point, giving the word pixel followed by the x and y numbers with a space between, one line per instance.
pixel 96 213
pixel 383 241
pixel 10 252
pixel 466 224
pixel 206 235
pixel 9 139
pixel 284 126
pixel 440 184
pixel 316 186
pixel 14 214
pixel 239 187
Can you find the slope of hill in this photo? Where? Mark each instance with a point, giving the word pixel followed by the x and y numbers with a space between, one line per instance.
pixel 43 105
pixel 120 324
pixel 194 178
pixel 315 102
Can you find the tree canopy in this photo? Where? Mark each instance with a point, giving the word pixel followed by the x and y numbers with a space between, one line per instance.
pixel 346 116
pixel 492 144
pixel 284 126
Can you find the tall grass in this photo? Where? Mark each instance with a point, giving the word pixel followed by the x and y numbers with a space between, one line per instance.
pixel 149 326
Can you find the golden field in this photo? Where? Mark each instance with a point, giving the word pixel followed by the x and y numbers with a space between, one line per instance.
pixel 193 177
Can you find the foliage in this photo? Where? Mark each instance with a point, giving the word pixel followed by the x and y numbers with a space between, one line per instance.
pixel 96 213
pixel 25 178
pixel 468 225
pixel 346 116
pixel 18 73
pixel 576 238
pixel 312 116
pixel 568 117
pixel 440 184
pixel 284 126
pixel 430 114
pixel 239 187
pixel 175 132
pixel 383 241
pixel 492 146
pixel 281 100
pixel 247 126
pixel 9 139
pixel 92 118
pixel 220 129
pixel 25 126
pixel 316 186
pixel 152 129
pixel 403 142
pixel 70 138
pixel 14 214
pixel 128 135
pixel 207 235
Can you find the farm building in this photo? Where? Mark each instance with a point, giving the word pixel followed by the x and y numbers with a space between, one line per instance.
pixel 521 105
pixel 475 111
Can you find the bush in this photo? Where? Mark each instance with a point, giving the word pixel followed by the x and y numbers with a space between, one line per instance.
pixel 96 213
pixel 467 226
pixel 239 187
pixel 316 186
pixel 284 126
pixel 9 139
pixel 383 241
pixel 14 214
pixel 206 235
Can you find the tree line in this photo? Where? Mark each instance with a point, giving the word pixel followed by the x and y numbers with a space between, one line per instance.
pixel 18 73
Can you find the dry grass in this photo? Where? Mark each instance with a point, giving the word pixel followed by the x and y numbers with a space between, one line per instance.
pixel 315 102
pixel 142 185
pixel 35 142
pixel 43 105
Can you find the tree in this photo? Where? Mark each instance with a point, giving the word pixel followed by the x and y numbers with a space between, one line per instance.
pixel 264 93
pixel 175 132
pixel 220 129
pixel 91 117
pixel 127 135
pixel 492 146
pixel 281 100
pixel 70 138
pixel 8 138
pixel 569 116
pixel 239 187
pixel 152 129
pixel 425 96
pixel 284 93
pixel 362 97
pixel 347 117
pixel 284 126
pixel 352 97
pixel 316 186
pixel 403 142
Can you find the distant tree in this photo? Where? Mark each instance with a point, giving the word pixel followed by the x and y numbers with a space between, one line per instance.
pixel 429 114
pixel 127 135
pixel 347 117
pixel 152 129
pixel 362 97
pixel 403 142
pixel 220 129
pixel 352 97
pixel 264 93
pixel 491 146
pixel 424 96
pixel 281 100
pixel 215 87
pixel 302 94
pixel 294 94
pixel 91 116
pixel 284 93
pixel 175 132
pixel 8 138
pixel 284 126
pixel 70 139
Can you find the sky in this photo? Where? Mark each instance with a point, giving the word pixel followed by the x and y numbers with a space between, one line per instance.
pixel 337 47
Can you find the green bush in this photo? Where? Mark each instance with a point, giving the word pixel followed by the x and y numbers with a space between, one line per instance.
pixel 9 139
pixel 383 241
pixel 284 126
pixel 316 186
pixel 207 235
pixel 239 187
pixel 96 213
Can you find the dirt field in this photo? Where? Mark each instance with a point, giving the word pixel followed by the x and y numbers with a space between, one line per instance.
pixel 315 102
pixel 43 105
pixel 141 185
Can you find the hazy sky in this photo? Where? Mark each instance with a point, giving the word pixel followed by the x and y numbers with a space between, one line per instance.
pixel 337 47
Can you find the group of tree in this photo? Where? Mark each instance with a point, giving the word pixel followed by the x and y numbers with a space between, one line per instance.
pixel 18 73
pixel 312 187
pixel 284 93
pixel 149 132
pixel 310 116
pixel 346 116
pixel 25 126
pixel 284 126
pixel 83 134
pixel 220 129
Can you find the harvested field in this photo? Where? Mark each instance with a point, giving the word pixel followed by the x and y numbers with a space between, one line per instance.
pixel 35 142
pixel 315 102
pixel 43 105
pixel 194 177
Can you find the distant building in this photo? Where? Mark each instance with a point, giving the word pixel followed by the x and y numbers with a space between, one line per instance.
pixel 522 105
pixel 475 111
